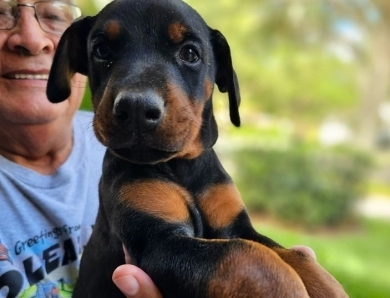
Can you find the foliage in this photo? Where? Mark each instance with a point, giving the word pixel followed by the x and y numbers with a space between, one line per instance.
pixel 87 102
pixel 90 7
pixel 313 187
pixel 281 54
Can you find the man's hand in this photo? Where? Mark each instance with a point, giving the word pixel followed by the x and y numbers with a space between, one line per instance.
pixel 306 250
pixel 134 283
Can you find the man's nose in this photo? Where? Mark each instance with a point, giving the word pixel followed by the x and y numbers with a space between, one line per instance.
pixel 27 36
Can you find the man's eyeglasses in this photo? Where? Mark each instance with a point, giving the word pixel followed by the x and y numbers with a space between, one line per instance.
pixel 53 16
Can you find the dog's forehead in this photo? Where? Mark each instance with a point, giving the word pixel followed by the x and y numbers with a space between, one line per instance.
pixel 146 17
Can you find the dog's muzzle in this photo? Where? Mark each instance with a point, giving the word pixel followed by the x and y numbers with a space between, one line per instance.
pixel 139 111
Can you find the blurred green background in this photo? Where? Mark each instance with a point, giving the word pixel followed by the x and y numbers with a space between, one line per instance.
pixel 312 158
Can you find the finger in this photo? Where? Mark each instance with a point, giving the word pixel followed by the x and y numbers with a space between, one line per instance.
pixel 134 283
pixel 306 250
pixel 127 255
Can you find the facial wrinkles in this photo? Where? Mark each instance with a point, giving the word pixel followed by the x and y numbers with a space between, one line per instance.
pixel 25 59
pixel 33 1
pixel 18 65
pixel 24 43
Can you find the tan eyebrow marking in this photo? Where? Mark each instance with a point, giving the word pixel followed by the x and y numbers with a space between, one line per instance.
pixel 177 31
pixel 112 29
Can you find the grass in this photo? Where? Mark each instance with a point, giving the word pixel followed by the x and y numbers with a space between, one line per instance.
pixel 359 259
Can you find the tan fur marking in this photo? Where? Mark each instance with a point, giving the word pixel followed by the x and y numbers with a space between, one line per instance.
pixel 167 201
pixel 319 283
pixel 112 29
pixel 250 269
pixel 208 87
pixel 196 147
pixel 194 150
pixel 176 32
pixel 221 204
pixel 182 123
pixel 103 121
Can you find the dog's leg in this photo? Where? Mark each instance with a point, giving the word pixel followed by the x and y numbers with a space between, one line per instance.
pixel 227 218
pixel 152 218
pixel 188 267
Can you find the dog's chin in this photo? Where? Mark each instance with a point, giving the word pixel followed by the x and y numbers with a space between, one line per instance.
pixel 142 155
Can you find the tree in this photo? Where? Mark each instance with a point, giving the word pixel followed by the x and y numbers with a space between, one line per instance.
pixel 279 51
pixel 289 56
pixel 373 57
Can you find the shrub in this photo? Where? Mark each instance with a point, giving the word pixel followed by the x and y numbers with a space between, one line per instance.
pixel 313 187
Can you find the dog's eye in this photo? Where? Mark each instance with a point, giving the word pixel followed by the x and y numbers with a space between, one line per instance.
pixel 102 51
pixel 189 54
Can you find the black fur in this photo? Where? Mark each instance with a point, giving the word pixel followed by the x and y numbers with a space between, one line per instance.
pixel 152 65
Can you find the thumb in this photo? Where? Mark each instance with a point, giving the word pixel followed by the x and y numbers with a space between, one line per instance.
pixel 134 283
pixel 305 249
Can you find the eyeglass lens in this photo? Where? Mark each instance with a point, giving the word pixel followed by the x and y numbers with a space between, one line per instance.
pixel 53 16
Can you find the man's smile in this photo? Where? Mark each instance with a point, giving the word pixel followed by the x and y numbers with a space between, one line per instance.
pixel 28 76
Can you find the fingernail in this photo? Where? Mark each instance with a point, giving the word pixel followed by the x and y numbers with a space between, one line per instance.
pixel 127 284
pixel 306 250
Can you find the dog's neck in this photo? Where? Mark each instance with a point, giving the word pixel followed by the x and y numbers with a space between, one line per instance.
pixel 186 172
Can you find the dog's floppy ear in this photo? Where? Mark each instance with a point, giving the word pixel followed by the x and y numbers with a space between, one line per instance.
pixel 226 78
pixel 70 57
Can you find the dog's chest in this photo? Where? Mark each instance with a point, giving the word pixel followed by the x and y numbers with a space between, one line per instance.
pixel 214 207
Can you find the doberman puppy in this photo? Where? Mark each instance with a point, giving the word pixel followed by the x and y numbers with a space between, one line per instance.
pixel 152 66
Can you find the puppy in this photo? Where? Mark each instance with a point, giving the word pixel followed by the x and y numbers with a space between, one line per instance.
pixel 164 195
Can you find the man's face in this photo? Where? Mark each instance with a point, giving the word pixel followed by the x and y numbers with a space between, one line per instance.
pixel 26 54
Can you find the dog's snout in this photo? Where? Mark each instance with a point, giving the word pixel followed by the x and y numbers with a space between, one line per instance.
pixel 142 111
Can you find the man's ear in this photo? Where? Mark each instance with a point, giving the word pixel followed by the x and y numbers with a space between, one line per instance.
pixel 226 78
pixel 70 57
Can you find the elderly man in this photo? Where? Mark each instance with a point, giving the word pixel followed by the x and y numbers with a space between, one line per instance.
pixel 50 162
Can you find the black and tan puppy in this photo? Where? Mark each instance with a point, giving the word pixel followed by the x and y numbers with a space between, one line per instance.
pixel 152 66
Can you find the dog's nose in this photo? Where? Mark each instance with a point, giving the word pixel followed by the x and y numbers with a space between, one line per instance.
pixel 143 111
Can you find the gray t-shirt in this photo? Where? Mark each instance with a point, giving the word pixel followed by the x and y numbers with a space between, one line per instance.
pixel 46 220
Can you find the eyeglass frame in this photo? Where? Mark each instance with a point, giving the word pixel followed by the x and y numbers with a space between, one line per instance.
pixel 33 5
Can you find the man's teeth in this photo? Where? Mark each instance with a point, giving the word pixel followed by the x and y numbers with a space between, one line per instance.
pixel 31 76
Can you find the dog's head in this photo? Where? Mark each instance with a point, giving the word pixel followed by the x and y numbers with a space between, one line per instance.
pixel 152 66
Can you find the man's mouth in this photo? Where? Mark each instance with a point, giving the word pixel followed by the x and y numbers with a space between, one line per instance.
pixel 29 77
